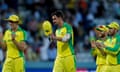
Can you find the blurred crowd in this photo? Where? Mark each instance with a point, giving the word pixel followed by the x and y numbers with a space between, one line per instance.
pixel 83 15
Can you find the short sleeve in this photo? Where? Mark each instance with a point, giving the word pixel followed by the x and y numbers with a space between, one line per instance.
pixel 5 36
pixel 69 28
pixel 24 36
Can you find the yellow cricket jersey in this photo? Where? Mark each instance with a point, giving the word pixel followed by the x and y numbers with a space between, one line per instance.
pixel 100 59
pixel 12 50
pixel 113 51
pixel 65 48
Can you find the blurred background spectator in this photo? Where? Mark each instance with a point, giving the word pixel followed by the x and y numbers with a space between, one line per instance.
pixel 1 56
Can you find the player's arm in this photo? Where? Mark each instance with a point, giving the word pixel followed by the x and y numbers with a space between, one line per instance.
pixel 21 45
pixel 2 41
pixel 114 50
pixel 63 39
pixel 93 46
pixel 67 36
pixel 100 48
pixel 3 45
pixel 102 51
pixel 93 51
pixel 111 50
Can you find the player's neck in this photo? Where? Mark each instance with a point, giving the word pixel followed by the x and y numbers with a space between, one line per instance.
pixel 15 29
pixel 61 24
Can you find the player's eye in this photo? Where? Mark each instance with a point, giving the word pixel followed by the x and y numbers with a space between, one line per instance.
pixel 54 18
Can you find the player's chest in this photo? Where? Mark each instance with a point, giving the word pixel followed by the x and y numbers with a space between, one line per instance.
pixel 61 32
pixel 9 36
pixel 111 42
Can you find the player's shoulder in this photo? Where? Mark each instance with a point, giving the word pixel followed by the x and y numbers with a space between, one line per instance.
pixel 67 25
pixel 117 35
pixel 21 30
pixel 8 30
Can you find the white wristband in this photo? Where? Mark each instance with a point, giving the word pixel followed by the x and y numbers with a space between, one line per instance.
pixel 66 38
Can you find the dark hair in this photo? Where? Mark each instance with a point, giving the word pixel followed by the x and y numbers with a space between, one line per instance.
pixel 58 13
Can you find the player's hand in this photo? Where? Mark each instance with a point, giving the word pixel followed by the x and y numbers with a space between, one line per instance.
pixel 13 36
pixel 93 45
pixel 100 45
pixel 53 37
pixel 103 46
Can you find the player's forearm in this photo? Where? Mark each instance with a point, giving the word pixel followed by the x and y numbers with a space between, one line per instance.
pixel 102 51
pixel 3 45
pixel 58 38
pixel 113 50
pixel 93 52
pixel 63 39
pixel 20 46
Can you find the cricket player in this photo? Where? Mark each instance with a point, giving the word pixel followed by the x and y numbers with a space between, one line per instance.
pixel 112 49
pixel 101 32
pixel 13 42
pixel 65 60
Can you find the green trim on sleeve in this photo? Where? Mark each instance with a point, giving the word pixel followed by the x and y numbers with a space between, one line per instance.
pixel 118 58
pixel 25 35
pixel 70 42
pixel 93 52
pixel 71 46
pixel 75 63
pixel 69 28
pixel 113 51
pixel 116 48
pixel 21 54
